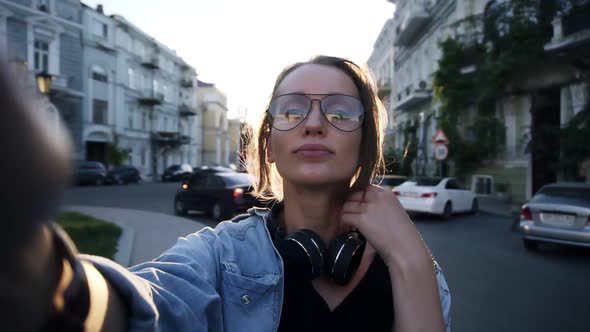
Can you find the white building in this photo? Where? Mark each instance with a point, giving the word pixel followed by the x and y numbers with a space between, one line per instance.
pixel 155 101
pixel 381 64
pixel 419 26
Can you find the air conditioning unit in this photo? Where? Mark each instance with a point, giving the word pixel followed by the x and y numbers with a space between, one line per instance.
pixel 422 85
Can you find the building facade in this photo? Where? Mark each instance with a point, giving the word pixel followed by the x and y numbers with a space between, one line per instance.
pixel 382 65
pixel 113 85
pixel 546 95
pixel 155 101
pixel 218 141
pixel 419 27
pixel 44 37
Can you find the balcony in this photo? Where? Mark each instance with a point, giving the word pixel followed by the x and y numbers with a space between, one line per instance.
pixel 383 88
pixel 150 62
pixel 150 98
pixel 572 29
pixel 186 82
pixel 412 23
pixel 412 95
pixel 170 139
pixel 185 110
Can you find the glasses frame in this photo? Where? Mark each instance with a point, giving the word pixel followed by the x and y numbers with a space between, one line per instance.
pixel 324 96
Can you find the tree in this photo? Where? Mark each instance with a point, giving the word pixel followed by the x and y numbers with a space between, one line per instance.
pixel 117 155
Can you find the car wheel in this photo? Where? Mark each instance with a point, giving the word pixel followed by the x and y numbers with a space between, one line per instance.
pixel 217 212
pixel 179 208
pixel 447 211
pixel 475 207
pixel 530 244
pixel 99 181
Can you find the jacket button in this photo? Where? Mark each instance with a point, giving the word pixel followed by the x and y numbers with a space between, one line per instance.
pixel 246 299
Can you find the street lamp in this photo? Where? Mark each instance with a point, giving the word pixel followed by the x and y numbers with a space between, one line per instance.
pixel 44 82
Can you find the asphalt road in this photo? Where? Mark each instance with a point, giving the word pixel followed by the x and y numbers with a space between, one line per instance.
pixel 496 285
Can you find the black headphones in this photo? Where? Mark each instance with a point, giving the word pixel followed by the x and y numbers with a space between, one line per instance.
pixel 304 252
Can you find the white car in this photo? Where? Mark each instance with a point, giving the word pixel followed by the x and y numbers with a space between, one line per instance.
pixel 432 195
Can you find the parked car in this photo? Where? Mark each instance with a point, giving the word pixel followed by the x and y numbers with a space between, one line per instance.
pixel 123 175
pixel 390 181
pixel 220 195
pixel 89 172
pixel 557 213
pixel 435 195
pixel 212 169
pixel 176 172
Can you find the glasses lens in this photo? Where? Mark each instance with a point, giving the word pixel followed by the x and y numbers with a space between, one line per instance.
pixel 344 112
pixel 288 111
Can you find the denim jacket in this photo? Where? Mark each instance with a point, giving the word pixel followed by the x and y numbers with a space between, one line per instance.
pixel 224 279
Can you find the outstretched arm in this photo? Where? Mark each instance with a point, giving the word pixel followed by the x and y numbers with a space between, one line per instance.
pixel 34 173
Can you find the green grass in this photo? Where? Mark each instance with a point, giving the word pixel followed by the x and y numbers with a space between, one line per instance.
pixel 91 236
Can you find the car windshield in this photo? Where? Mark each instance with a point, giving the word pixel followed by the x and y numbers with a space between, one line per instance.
pixel 237 179
pixel 563 195
pixel 427 182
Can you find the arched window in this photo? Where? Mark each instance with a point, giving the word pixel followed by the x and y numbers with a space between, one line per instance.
pixel 99 74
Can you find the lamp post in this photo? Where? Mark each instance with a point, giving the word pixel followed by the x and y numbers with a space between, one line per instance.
pixel 44 82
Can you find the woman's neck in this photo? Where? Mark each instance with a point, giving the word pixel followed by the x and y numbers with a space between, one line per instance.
pixel 315 210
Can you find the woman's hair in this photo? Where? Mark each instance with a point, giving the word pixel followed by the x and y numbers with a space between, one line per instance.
pixel 268 183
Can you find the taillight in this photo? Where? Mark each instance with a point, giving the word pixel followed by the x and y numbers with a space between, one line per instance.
pixel 525 213
pixel 396 193
pixel 428 195
pixel 238 192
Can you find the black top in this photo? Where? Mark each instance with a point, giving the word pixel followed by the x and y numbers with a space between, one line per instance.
pixel 369 307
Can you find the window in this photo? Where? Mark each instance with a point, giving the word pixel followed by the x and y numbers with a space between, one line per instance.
pixel 99 74
pixel 100 29
pixel 165 124
pixel 130 119
pixel 143 120
pixel 41 55
pixel 131 75
pixel 142 152
pixel 43 5
pixel 99 111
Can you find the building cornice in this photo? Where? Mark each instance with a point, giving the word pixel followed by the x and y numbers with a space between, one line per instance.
pixel 440 12
pixel 33 12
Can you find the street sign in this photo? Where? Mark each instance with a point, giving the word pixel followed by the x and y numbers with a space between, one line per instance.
pixel 440 138
pixel 440 152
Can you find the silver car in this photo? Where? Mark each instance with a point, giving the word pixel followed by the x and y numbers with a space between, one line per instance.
pixel 557 213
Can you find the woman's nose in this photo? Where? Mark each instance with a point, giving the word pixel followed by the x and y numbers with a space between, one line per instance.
pixel 314 123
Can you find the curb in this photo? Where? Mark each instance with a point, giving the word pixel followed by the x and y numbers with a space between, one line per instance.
pixel 125 244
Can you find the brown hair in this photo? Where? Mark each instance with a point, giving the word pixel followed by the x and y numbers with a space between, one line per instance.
pixel 267 181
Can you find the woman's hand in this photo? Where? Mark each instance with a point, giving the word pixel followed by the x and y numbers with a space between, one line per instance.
pixel 380 217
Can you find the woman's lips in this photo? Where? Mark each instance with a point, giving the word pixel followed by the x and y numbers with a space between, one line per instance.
pixel 312 151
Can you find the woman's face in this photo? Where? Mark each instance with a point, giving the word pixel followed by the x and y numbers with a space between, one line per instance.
pixel 315 152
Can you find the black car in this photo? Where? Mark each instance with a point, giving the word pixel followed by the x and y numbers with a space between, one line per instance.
pixel 89 172
pixel 220 195
pixel 123 175
pixel 176 172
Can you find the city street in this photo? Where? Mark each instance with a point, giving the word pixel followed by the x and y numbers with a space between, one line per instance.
pixel 496 285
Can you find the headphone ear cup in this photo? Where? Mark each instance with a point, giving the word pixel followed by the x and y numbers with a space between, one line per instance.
pixel 303 253
pixel 346 253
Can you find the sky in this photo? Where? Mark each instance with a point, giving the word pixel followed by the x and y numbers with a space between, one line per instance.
pixel 241 46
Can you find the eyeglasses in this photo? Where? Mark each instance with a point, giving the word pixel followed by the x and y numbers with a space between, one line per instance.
pixel 344 112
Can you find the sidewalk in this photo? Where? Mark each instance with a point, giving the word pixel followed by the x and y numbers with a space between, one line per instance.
pixel 497 206
pixel 145 234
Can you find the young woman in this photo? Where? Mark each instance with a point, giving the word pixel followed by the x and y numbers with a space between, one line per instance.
pixel 333 252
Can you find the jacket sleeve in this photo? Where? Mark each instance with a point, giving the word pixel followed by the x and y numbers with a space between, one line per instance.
pixel 177 291
pixel 445 297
